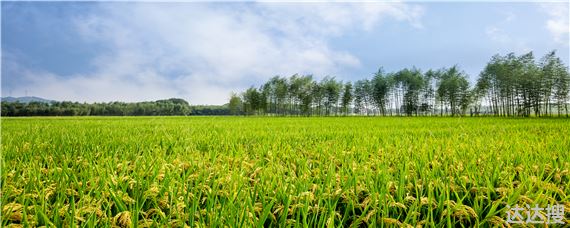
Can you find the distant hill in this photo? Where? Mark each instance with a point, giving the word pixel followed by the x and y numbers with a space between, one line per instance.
pixel 26 99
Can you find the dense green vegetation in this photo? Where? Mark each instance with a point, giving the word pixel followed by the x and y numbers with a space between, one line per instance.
pixel 236 171
pixel 508 86
pixel 210 110
pixel 170 107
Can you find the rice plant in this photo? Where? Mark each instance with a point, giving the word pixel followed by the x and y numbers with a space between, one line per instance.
pixel 275 172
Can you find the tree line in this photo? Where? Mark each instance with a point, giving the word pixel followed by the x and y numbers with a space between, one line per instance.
pixel 509 85
pixel 169 107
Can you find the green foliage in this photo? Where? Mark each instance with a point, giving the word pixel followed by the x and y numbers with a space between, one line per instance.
pixel 279 172
pixel 170 107
pixel 362 96
pixel 508 86
pixel 410 82
pixel 381 84
pixel 347 97
pixel 235 104
pixel 332 90
pixel 518 86
pixel 453 90
pixel 211 110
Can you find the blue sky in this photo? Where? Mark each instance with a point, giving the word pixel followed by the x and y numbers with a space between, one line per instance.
pixel 203 51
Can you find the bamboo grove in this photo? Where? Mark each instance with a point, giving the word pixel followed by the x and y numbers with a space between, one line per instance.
pixel 509 85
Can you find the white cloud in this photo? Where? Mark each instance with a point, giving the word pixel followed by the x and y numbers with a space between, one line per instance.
pixel 557 22
pixel 201 52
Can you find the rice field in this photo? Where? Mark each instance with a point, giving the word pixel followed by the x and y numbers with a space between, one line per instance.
pixel 275 172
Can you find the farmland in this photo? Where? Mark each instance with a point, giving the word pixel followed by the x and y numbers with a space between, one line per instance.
pixel 264 171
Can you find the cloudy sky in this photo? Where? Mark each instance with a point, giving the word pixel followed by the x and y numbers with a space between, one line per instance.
pixel 203 51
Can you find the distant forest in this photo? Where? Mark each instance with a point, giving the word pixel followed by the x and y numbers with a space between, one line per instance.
pixel 169 107
pixel 509 85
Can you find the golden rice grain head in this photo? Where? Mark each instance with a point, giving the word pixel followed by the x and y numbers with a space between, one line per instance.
pixel 398 205
pixel 497 221
pixel 179 208
pixel 474 190
pixel 445 212
pixel 470 211
pixel 177 223
pixel 145 223
pixel 254 174
pixel 163 203
pixel 425 201
pixel 369 215
pixel 463 212
pixel 547 168
pixel 338 192
pixel 481 197
pixel 524 199
pixel 449 203
pixel 152 192
pixel 557 177
pixel 502 191
pixel 49 193
pixel 12 190
pixel 455 188
pixel 155 212
pixel 409 199
pixel 392 187
pixel 257 207
pixel 160 176
pixel 126 198
pixel 422 222
pixel 13 211
pixel 365 202
pixel 330 222
pixel 123 219
pixel 71 192
pixel 92 210
pixel 63 210
pixel 184 166
pixel 391 221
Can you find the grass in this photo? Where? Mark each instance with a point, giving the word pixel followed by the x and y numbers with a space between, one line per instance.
pixel 244 172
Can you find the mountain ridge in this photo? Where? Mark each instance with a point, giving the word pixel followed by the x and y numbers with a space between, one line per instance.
pixel 26 99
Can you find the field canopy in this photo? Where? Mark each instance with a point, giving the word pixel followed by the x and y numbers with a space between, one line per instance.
pixel 214 171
